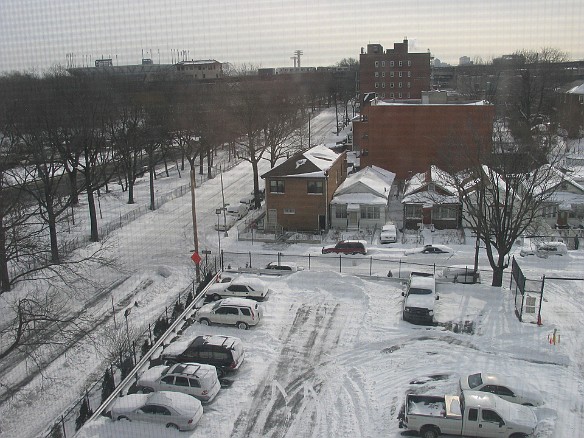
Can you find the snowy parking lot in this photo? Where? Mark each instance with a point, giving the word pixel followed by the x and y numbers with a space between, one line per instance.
pixel 333 357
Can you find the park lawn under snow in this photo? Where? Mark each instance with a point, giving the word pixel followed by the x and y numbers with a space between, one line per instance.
pixel 332 357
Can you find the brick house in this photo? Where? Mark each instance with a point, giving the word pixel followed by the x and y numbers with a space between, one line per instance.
pixel 430 199
pixel 395 73
pixel 409 136
pixel 299 191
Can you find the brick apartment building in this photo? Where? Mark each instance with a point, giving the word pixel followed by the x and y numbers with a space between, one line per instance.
pixel 299 191
pixel 395 73
pixel 408 137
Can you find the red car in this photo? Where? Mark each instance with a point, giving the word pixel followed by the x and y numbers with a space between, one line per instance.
pixel 346 247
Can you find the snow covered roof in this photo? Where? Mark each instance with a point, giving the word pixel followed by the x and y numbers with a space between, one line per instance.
pixel 372 179
pixel 312 163
pixel 577 90
pixel 435 176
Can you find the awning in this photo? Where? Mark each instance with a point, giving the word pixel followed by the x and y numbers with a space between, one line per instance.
pixel 353 207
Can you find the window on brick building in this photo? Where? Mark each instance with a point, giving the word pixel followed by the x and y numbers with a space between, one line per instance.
pixel 399 95
pixel 409 84
pixel 399 85
pixel 382 74
pixel 391 95
pixel 277 186
pixel 376 63
pixel 289 211
pixel 314 187
pixel 400 74
pixel 409 74
pixel 401 63
pixel 376 74
pixel 376 84
pixel 391 74
pixel 413 211
pixel 391 63
pixel 391 85
pixel 409 63
pixel 383 85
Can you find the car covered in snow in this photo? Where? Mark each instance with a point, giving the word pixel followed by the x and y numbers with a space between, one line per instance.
pixel 283 266
pixel 388 234
pixel 171 409
pixel 195 379
pixel 545 249
pixel 510 389
pixel 241 287
pixel 461 274
pixel 419 298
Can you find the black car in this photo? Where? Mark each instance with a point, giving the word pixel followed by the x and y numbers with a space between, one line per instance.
pixel 223 352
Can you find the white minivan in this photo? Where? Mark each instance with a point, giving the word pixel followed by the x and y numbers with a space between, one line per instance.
pixel 237 210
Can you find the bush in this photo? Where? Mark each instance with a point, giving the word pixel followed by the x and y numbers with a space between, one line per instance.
pixel 85 414
pixel 107 386
pixel 160 327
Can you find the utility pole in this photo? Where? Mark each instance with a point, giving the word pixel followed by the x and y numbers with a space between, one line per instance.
pixel 194 213
pixel 297 54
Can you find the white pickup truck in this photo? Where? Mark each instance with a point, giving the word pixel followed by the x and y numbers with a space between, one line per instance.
pixel 473 413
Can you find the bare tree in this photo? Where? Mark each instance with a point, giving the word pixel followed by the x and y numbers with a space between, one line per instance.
pixel 503 192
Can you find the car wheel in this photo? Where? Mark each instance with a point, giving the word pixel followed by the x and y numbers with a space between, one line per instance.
pixel 172 426
pixel 429 432
pixel 220 372
pixel 123 417
pixel 216 297
pixel 146 390
pixel 242 325
pixel 204 321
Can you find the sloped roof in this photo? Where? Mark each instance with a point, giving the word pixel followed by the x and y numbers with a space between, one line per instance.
pixel 312 163
pixel 371 179
pixel 579 89
pixel 434 175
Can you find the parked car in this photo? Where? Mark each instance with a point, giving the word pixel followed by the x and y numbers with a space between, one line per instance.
pixel 171 409
pixel 512 390
pixel 473 413
pixel 283 266
pixel 545 249
pixel 461 274
pixel 388 234
pixel 240 312
pixel 223 352
pixel 225 223
pixel 195 379
pixel 419 298
pixel 242 287
pixel 346 247
pixel 248 201
pixel 550 249
pixel 237 210
pixel 430 249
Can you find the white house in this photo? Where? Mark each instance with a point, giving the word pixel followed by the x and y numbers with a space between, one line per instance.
pixel 361 201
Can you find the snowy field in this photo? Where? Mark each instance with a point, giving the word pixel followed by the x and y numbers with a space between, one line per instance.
pixel 332 356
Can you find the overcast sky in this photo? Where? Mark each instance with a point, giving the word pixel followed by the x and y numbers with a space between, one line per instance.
pixel 38 34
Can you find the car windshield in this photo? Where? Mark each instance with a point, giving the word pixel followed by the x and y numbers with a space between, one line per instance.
pixel 420 291
pixel 474 380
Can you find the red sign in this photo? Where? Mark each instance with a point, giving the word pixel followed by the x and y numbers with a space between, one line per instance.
pixel 196 257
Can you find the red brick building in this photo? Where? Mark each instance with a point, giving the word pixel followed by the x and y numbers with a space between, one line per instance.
pixel 395 73
pixel 408 137
pixel 299 191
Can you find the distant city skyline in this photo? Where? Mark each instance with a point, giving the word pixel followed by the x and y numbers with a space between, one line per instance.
pixel 37 35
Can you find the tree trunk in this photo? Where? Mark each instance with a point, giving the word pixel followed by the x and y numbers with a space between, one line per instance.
pixel 256 185
pixel 152 204
pixel 53 236
pixel 4 274
pixel 130 191
pixel 209 164
pixel 497 276
pixel 201 171
pixel 74 191
pixel 92 214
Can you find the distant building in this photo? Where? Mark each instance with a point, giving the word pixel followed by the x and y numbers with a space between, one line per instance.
pixel 299 191
pixel 395 73
pixel 464 60
pixel 409 136
pixel 148 71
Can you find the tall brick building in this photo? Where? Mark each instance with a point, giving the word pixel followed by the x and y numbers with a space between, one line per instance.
pixel 408 137
pixel 395 73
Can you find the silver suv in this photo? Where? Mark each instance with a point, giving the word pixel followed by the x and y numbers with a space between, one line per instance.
pixel 240 312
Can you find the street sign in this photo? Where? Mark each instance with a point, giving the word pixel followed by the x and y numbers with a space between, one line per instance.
pixel 218 210
pixel 196 258
pixel 206 251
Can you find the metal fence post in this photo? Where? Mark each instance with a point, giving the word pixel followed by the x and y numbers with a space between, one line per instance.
pixel 340 263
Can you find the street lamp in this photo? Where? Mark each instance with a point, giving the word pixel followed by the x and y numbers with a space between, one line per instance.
pixel 218 213
pixel 223 198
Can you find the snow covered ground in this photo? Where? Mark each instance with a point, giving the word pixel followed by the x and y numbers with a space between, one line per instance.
pixel 332 356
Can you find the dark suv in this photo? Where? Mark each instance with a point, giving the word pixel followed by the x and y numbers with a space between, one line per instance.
pixel 346 247
pixel 224 352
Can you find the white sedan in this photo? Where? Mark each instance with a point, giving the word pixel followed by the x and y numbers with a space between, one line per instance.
pixel 507 388
pixel 171 409
pixel 241 287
